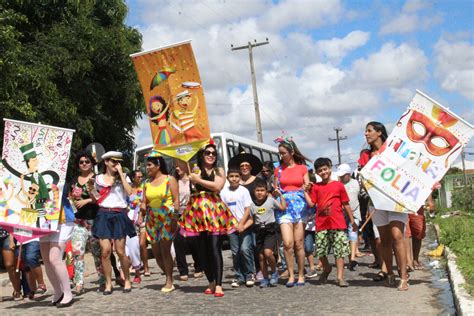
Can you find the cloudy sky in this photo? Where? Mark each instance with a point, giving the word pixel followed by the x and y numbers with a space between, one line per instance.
pixel 329 63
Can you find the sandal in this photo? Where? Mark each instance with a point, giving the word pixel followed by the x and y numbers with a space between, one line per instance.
pixel 390 281
pixel 403 285
pixel 374 265
pixel 324 276
pixel 380 276
pixel 17 296
pixel 419 267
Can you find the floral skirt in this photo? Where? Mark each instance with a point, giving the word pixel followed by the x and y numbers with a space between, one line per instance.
pixel 296 210
pixel 206 212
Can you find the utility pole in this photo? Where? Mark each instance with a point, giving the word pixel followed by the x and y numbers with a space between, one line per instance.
pixel 337 139
pixel 250 46
pixel 463 155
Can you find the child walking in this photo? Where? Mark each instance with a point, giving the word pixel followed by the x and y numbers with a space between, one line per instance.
pixel 262 213
pixel 238 200
pixel 330 197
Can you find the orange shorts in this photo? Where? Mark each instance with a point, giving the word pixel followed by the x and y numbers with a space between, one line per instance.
pixel 417 224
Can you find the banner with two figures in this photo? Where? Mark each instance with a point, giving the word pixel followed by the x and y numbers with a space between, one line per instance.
pixel 174 99
pixel 421 148
pixel 32 176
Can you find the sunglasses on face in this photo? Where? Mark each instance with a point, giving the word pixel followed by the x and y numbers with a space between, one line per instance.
pixel 114 162
pixel 32 190
pixel 84 162
pixel 210 153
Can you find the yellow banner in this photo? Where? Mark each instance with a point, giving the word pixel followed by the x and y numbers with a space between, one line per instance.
pixel 174 99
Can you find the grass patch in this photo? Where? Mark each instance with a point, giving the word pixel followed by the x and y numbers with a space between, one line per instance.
pixel 457 233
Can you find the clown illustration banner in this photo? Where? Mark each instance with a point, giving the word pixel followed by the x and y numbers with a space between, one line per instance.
pixel 32 175
pixel 421 148
pixel 174 99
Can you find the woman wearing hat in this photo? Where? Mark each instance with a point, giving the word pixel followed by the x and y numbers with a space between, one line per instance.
pixel 207 218
pixel 290 178
pixel 112 222
pixel 161 200
pixel 249 166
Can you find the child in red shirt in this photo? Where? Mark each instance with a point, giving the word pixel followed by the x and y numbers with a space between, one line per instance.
pixel 331 198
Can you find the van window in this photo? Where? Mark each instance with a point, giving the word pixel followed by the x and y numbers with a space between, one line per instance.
pixel 257 152
pixel 266 156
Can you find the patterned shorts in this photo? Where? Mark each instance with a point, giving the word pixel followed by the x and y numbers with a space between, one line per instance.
pixel 336 239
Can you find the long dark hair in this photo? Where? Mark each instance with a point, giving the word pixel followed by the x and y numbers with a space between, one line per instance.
pixel 200 158
pixel 160 162
pixel 379 127
pixel 291 147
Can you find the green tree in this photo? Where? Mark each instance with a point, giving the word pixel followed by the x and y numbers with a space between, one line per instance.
pixel 67 64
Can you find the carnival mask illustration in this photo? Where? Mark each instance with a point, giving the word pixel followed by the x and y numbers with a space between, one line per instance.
pixel 434 135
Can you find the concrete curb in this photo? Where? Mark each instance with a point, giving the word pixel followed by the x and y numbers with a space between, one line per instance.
pixel 463 301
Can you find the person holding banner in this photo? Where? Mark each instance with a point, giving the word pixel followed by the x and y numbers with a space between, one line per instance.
pixel 112 222
pixel 206 217
pixel 7 245
pixel 52 250
pixel 390 225
pixel 290 179
pixel 161 201
pixel 84 202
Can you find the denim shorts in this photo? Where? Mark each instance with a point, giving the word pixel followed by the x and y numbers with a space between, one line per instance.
pixel 31 254
pixel 309 241
pixel 5 243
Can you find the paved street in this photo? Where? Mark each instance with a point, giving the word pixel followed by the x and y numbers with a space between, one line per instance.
pixel 364 296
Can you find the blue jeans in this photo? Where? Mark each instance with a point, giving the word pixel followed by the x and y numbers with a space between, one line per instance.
pixel 241 246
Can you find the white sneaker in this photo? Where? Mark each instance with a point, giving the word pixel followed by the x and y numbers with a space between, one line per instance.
pixel 250 283
pixel 235 283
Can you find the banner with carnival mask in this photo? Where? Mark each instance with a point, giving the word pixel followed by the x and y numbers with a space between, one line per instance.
pixel 174 99
pixel 426 140
pixel 32 175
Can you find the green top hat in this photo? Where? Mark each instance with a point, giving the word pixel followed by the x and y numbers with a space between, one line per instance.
pixel 28 151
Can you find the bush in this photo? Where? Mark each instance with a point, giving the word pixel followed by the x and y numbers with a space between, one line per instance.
pixel 457 234
pixel 463 198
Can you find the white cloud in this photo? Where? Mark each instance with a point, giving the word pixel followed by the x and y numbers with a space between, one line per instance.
pixel 336 49
pixel 454 62
pixel 415 5
pixel 308 14
pixel 411 18
pixel 391 67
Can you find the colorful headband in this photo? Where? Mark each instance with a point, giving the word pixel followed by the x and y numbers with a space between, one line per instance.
pixel 153 154
pixel 284 139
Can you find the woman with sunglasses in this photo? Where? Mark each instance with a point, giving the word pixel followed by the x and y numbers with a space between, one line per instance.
pixel 161 200
pixel 291 177
pixel 84 202
pixel 207 218
pixel 112 222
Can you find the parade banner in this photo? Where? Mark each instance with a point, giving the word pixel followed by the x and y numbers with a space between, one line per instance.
pixel 32 175
pixel 421 148
pixel 174 99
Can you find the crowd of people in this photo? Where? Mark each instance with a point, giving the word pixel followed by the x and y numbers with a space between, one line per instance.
pixel 273 217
